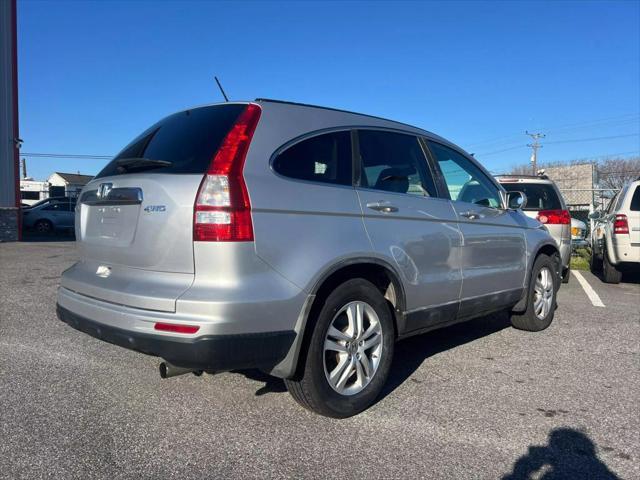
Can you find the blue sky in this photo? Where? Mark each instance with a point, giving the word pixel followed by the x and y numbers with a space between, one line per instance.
pixel 92 75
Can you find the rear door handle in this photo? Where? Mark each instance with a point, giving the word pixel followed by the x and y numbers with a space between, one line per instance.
pixel 384 207
pixel 471 215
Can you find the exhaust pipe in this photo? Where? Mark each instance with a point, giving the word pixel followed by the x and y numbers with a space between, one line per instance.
pixel 168 370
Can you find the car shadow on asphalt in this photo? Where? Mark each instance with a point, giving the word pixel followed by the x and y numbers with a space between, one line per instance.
pixel 409 353
pixel 569 453
pixel 271 384
pixel 412 352
pixel 628 276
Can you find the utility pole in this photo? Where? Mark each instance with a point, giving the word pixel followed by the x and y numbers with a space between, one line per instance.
pixel 535 146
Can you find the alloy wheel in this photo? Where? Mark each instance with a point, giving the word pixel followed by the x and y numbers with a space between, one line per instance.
pixel 543 288
pixel 352 348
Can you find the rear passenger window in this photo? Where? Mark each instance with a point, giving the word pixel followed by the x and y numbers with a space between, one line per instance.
pixel 325 158
pixel 635 201
pixel 394 162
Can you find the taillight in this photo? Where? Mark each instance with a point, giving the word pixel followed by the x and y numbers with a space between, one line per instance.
pixel 554 217
pixel 222 212
pixel 620 224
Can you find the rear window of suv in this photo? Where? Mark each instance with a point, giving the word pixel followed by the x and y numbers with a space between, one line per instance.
pixel 540 196
pixel 635 200
pixel 187 139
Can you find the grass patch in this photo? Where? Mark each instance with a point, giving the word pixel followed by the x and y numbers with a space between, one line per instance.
pixel 580 259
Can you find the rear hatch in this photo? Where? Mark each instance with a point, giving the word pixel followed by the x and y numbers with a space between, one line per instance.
pixel 544 204
pixel 134 221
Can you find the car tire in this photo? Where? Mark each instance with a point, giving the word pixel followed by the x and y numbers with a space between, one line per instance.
pixel 595 263
pixel 610 273
pixel 43 226
pixel 321 385
pixel 541 298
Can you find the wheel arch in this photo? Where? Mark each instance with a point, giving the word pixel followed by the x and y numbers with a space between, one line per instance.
pixel 378 271
pixel 547 248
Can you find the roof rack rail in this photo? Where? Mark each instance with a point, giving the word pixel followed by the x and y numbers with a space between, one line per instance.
pixel 286 102
pixel 522 175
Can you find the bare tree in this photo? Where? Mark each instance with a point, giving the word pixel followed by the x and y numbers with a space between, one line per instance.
pixel 615 173
pixel 524 169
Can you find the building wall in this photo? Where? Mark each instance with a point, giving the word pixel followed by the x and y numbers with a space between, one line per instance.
pixel 576 182
pixel 33 187
pixel 56 180
pixel 9 190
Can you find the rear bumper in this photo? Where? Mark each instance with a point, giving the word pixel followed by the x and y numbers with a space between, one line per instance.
pixel 622 250
pixel 210 352
pixel 565 253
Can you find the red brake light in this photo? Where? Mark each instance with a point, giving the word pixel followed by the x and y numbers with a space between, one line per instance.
pixel 620 224
pixel 554 217
pixel 171 327
pixel 222 212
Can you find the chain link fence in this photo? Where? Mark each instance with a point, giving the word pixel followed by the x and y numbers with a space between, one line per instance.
pixel 582 201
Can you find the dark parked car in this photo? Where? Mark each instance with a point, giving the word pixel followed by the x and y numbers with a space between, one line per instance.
pixel 54 213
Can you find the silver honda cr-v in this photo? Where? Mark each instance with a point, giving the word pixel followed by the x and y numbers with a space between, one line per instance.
pixel 300 240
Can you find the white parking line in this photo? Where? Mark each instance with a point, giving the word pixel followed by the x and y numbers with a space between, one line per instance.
pixel 591 293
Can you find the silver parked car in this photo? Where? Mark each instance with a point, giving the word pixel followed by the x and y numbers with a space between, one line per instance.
pixel 300 240
pixel 54 213
pixel 545 204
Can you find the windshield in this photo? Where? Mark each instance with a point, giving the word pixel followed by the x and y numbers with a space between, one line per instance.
pixel 540 196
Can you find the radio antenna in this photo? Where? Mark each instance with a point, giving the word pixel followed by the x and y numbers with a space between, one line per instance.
pixel 226 99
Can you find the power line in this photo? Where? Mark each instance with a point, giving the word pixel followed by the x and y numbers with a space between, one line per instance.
pixel 617 119
pixel 599 124
pixel 67 155
pixel 500 151
pixel 591 139
pixel 575 140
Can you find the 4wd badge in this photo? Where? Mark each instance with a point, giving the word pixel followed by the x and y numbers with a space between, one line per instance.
pixel 155 208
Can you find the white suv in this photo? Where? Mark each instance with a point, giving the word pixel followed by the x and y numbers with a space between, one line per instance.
pixel 615 237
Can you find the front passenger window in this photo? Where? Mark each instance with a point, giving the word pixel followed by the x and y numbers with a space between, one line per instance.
pixel 465 181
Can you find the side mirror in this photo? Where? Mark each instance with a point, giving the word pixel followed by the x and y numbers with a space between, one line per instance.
pixel 595 215
pixel 516 200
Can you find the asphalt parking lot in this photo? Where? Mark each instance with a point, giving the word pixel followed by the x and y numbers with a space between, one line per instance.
pixel 477 400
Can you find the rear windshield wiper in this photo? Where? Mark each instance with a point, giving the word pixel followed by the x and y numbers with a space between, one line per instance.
pixel 140 163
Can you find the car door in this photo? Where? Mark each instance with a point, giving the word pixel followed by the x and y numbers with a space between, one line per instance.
pixel 409 225
pixel 494 247
pixel 55 213
pixel 599 227
pixel 67 215
pixel 605 224
pixel 633 215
